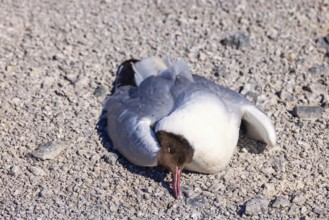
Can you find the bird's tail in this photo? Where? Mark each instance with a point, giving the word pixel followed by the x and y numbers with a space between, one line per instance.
pixel 148 67
pixel 132 72
pixel 177 69
pixel 160 67
pixel 125 75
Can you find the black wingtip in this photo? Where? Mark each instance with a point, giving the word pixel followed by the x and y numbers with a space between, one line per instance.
pixel 125 75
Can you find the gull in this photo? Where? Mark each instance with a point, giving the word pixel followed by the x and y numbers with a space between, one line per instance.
pixel 161 114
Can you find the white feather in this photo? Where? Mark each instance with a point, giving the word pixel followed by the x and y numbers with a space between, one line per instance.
pixel 148 67
pixel 210 127
pixel 258 125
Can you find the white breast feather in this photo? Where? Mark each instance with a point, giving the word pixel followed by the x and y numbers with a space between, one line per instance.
pixel 206 122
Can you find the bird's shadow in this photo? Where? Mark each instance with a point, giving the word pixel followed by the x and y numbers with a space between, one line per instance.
pixel 158 174
pixel 252 146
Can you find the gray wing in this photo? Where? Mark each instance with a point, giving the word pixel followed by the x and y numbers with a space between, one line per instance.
pixel 258 125
pixel 223 92
pixel 131 114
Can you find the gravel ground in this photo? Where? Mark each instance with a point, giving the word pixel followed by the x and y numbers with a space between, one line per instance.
pixel 57 64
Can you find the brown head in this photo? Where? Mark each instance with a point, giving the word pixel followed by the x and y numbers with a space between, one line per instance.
pixel 174 153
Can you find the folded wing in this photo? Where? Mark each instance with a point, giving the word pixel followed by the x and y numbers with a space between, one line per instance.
pixel 131 114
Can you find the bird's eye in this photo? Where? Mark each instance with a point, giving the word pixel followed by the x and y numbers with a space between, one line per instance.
pixel 171 150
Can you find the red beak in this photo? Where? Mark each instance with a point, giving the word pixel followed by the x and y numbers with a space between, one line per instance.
pixel 176 182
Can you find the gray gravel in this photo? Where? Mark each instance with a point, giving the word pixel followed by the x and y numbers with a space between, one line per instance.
pixel 47 151
pixel 57 64
pixel 256 206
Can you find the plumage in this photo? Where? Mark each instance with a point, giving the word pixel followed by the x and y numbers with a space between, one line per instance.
pixel 168 97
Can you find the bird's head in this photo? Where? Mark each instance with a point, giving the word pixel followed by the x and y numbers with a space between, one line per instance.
pixel 175 151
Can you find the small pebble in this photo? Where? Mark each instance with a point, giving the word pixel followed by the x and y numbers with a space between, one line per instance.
pixel 57 57
pixel 14 171
pixel 99 91
pixel 146 196
pixel 97 170
pixel 251 91
pixel 323 42
pixel 47 82
pixel 110 158
pixel 272 34
pixel 46 192
pixel 81 82
pixel 221 71
pixel 94 158
pixel 216 187
pixel 315 88
pixel 36 170
pixel 303 210
pixel 207 194
pixel 72 78
pixel 196 201
pixel 279 164
pixel 195 215
pixel 317 210
pixel 308 112
pixel 269 189
pixel 48 151
pixel 268 170
pixel 317 70
pixel 236 40
pixel 298 199
pixel 10 68
pixel 286 95
pixel 293 209
pixel 187 191
pixel 35 72
pixel 202 56
pixel 280 202
pixel 256 206
pixel 87 132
